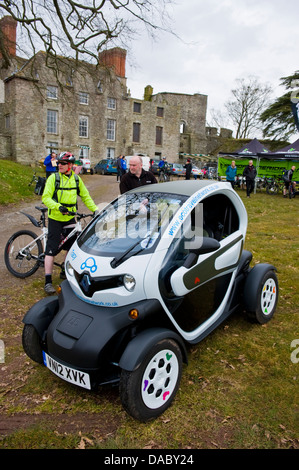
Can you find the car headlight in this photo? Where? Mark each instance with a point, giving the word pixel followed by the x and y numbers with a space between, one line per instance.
pixel 129 282
pixel 69 269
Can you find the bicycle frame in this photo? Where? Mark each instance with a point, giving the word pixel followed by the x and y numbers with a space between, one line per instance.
pixel 44 235
pixel 77 229
pixel 42 238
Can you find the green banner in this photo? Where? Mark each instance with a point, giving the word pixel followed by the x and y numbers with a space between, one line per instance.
pixel 264 167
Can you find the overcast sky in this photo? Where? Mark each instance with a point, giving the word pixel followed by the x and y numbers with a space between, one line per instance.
pixel 220 42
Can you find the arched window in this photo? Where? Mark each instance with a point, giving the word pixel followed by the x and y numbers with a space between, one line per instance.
pixel 183 127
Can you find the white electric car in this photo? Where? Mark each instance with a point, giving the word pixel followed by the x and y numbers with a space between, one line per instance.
pixel 159 268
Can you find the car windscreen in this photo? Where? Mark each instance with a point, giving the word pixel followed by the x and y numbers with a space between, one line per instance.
pixel 131 224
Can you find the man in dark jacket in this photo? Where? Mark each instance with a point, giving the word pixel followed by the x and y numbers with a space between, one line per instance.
pixel 249 173
pixel 289 181
pixel 136 176
pixel 188 167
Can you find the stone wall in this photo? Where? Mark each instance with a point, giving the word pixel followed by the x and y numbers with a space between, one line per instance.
pixel 27 104
pixel 5 147
pixel 24 105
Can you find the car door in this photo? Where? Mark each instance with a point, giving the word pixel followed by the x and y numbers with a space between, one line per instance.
pixel 195 282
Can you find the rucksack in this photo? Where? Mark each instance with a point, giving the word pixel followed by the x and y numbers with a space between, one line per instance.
pixel 285 176
pixel 40 185
pixel 57 186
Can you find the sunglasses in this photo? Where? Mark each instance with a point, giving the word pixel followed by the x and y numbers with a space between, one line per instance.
pixel 63 163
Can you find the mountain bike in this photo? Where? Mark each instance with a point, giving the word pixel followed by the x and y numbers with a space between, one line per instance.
pixel 275 186
pixel 164 176
pixel 263 183
pixel 25 251
pixel 40 182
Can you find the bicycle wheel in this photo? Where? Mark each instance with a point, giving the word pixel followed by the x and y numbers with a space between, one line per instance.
pixel 272 189
pixel 20 261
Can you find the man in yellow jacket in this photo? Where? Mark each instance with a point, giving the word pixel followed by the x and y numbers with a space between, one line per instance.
pixel 60 200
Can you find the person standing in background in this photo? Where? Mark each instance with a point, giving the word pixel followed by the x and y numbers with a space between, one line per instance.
pixel 136 176
pixel 119 168
pixel 59 201
pixel 231 172
pixel 249 173
pixel 188 167
pixel 123 165
pixel 288 181
pixel 50 163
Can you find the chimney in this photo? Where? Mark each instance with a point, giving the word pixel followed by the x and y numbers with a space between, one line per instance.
pixel 8 31
pixel 116 59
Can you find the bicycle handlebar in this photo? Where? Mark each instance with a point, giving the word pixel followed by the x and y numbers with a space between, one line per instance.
pixel 80 216
pixel 34 179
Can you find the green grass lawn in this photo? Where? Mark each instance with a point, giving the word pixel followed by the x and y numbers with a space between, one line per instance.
pixel 239 390
pixel 14 181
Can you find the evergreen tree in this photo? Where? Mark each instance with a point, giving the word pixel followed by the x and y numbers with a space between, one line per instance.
pixel 278 119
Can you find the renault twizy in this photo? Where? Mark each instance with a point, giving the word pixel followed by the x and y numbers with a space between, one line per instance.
pixel 157 270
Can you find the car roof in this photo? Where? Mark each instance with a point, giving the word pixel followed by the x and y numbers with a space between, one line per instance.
pixel 185 188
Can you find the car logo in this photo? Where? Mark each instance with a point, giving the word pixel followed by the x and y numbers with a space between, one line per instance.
pixel 85 283
pixel 89 263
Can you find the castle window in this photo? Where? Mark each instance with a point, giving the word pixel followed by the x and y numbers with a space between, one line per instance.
pixel 52 121
pixel 182 127
pixel 83 97
pixel 137 107
pixel 159 135
pixel 52 146
pixel 110 152
pixel 111 103
pixel 160 112
pixel 52 92
pixel 111 124
pixel 84 152
pixel 7 121
pixel 83 126
pixel 136 131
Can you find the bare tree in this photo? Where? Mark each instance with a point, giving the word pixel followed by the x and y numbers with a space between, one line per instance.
pixel 217 119
pixel 250 99
pixel 80 30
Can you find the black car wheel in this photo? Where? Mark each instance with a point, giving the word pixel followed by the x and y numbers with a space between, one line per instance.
pixel 32 344
pixel 266 298
pixel 148 391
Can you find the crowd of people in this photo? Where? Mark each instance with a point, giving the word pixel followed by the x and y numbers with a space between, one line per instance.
pixel 249 174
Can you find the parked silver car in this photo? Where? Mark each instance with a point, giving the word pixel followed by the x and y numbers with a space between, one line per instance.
pixel 177 169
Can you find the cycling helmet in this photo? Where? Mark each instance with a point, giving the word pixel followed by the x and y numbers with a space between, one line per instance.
pixel 66 157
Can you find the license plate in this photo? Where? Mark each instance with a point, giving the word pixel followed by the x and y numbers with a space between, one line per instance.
pixel 74 376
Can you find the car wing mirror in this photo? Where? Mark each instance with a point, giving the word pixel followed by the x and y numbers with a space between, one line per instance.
pixel 202 245
pixel 208 245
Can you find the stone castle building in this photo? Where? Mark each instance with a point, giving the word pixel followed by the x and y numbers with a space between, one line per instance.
pixel 87 109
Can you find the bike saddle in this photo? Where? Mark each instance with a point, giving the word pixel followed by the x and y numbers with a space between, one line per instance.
pixel 42 209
